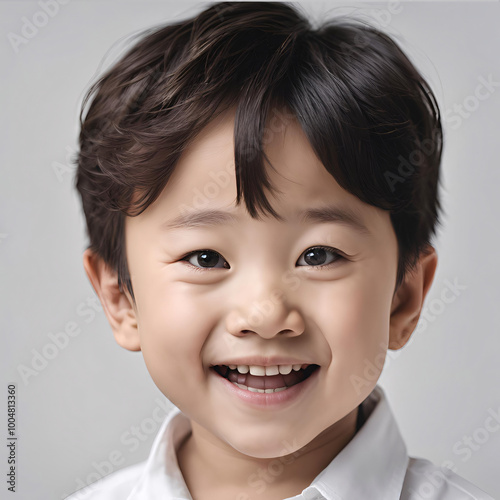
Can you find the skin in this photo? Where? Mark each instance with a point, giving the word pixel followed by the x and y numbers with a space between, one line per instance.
pixel 339 315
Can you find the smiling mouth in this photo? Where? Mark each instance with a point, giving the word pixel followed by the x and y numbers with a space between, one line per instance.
pixel 265 383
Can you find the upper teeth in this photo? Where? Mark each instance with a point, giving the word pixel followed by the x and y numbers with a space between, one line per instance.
pixel 266 370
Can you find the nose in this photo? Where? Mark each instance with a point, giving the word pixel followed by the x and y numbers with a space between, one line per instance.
pixel 267 314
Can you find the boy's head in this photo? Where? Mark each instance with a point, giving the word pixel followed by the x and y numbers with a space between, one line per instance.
pixel 322 146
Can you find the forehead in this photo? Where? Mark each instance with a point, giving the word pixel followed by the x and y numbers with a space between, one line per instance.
pixel 204 177
pixel 207 166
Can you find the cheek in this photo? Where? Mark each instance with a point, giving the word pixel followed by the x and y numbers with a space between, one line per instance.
pixel 354 313
pixel 354 318
pixel 174 324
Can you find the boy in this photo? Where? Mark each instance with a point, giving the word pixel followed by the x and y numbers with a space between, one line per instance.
pixel 260 199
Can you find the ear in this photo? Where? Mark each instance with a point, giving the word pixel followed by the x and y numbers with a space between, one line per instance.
pixel 409 298
pixel 118 307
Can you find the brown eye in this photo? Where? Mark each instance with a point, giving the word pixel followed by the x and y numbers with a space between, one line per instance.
pixel 205 259
pixel 320 256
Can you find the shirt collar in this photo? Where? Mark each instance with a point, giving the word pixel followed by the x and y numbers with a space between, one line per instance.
pixel 372 465
pixel 162 477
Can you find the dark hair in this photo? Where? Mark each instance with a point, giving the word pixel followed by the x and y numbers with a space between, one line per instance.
pixel 369 115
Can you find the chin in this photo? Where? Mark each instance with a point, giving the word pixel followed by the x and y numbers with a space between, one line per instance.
pixel 267 446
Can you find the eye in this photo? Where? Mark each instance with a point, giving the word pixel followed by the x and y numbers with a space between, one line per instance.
pixel 201 260
pixel 205 259
pixel 318 256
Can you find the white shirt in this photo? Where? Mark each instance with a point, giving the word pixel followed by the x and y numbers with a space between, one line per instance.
pixel 373 466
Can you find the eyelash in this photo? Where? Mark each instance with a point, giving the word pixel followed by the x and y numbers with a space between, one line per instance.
pixel 204 269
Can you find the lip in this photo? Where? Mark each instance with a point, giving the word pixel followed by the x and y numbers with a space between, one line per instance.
pixel 264 361
pixel 272 400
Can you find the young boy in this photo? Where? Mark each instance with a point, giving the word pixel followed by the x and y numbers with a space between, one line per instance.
pixel 260 199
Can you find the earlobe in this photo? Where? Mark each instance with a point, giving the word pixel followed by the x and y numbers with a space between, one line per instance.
pixel 408 301
pixel 118 306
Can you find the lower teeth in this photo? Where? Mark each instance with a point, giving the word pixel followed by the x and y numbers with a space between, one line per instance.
pixel 253 389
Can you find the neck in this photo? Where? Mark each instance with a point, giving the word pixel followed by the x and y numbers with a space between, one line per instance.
pixel 215 470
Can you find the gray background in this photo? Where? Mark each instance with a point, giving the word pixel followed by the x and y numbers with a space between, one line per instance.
pixel 79 409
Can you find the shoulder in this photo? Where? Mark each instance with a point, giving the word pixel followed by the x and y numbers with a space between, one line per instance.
pixel 115 486
pixel 424 480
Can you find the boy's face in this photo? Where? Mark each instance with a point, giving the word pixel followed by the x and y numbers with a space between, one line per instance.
pixel 260 294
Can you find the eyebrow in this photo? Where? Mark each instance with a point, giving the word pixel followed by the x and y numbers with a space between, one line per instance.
pixel 214 218
pixel 340 215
